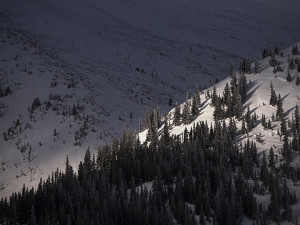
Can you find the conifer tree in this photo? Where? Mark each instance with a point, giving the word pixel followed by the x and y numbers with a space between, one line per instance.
pixel 243 126
pixel 279 112
pixel 273 62
pixel 177 115
pixel 166 134
pixel 231 69
pixel 264 173
pixel 170 103
pixel 283 127
pixel 242 85
pixel 226 95
pixel 214 96
pixel 186 112
pixel 248 119
pixel 158 116
pixel 87 162
pixel 236 103
pixel 295 50
pixel 69 170
pixel 153 127
pixel 276 50
pixel 269 124
pixel 265 53
pixel 256 67
pixel 196 105
pixel 248 66
pixel 196 102
pixel 292 64
pixel 219 112
pixel 271 160
pixel 263 120
pixel 288 76
pixel 286 151
pixel 273 98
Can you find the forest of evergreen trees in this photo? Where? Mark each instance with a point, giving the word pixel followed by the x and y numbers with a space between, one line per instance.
pixel 203 175
pixel 204 168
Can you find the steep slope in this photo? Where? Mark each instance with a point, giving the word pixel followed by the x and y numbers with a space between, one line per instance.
pixel 256 102
pixel 257 98
pixel 111 60
pixel 242 172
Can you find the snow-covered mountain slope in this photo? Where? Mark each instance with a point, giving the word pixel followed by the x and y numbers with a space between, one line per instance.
pixel 111 60
pixel 257 99
pixel 175 43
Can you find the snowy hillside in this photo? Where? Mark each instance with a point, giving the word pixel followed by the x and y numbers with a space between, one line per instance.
pixel 282 72
pixel 257 98
pixel 79 70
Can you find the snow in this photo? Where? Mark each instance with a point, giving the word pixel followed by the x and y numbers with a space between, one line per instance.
pixel 99 45
pixel 258 98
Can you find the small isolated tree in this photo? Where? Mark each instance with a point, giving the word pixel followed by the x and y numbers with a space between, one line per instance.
pixel 288 76
pixel 35 103
pixel 273 62
pixel 292 64
pixel 273 98
pixel 295 50
pixel 265 53
pixel 276 50
pixel 231 69
pixel 256 67
pixel 170 103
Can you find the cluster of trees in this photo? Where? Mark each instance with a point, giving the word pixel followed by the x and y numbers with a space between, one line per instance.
pixel 152 123
pixel 80 134
pixel 13 131
pixel 190 109
pixel 5 91
pixel 200 176
pixel 288 146
pixel 35 104
pixel 266 124
pixel 292 63
pixel 230 104
pixel 268 52
pixel 248 121
pixel 204 168
pixel 273 98
pixel 245 66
